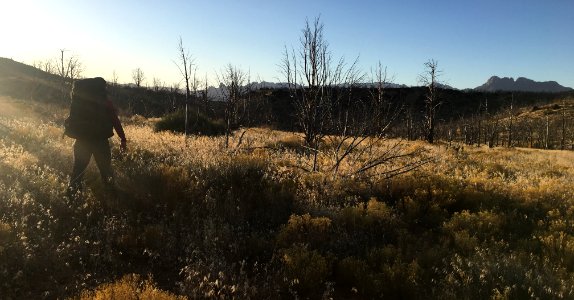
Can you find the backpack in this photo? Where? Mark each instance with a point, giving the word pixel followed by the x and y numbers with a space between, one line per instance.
pixel 89 117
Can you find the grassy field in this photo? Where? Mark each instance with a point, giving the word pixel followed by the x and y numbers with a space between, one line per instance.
pixel 191 218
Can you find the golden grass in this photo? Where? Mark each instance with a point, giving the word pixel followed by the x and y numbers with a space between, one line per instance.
pixel 473 222
pixel 129 287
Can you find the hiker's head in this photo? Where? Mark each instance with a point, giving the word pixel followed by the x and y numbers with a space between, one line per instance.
pixel 92 89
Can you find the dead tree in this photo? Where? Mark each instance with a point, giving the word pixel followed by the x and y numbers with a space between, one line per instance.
pixel 113 85
pixel 328 109
pixel 510 121
pixel 432 101
pixel 138 76
pixel 75 68
pixel 563 119
pixel 185 67
pixel 205 97
pixel 312 78
pixel 68 70
pixel 157 85
pixel 234 90
pixel 47 66
pixel 383 111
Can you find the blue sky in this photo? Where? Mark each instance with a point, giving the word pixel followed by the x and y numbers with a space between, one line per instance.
pixel 471 40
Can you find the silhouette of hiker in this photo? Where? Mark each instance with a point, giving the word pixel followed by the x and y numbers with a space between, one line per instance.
pixel 92 117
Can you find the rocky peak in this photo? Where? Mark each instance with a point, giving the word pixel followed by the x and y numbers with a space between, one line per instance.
pixel 521 84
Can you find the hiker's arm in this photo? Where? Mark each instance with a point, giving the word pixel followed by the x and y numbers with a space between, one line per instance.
pixel 116 123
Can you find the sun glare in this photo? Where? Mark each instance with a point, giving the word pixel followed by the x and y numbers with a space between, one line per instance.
pixel 30 29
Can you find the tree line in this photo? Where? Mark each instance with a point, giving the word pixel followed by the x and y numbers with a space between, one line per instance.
pixel 327 96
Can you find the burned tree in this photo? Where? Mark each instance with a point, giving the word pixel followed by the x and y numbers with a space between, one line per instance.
pixel 234 89
pixel 331 112
pixel 138 76
pixel 68 70
pixel 432 101
pixel 313 77
pixel 186 65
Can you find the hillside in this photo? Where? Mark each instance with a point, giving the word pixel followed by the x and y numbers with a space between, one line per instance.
pixel 546 125
pixel 13 69
pixel 22 81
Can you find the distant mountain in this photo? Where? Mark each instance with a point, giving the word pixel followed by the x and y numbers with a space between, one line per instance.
pixel 521 84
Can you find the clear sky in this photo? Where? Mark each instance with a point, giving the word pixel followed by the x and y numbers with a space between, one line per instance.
pixel 471 40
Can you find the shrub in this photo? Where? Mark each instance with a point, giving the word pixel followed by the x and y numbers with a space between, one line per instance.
pixel 366 225
pixel 493 273
pixel 243 192
pixel 382 273
pixel 557 240
pixel 355 274
pixel 130 286
pixel 395 276
pixel 305 269
pixel 198 124
pixel 5 233
pixel 305 230
pixel 467 229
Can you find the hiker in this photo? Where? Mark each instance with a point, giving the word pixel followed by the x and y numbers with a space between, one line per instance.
pixel 92 117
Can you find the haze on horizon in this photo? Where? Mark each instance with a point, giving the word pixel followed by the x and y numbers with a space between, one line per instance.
pixel 471 40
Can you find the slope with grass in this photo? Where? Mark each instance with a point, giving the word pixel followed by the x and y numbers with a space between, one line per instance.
pixel 193 219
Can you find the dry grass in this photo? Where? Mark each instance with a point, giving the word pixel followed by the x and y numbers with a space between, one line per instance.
pixel 250 222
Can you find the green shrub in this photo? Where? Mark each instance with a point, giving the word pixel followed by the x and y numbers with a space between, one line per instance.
pixel 198 124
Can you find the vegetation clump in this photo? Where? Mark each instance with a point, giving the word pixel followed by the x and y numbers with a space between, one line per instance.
pixel 200 124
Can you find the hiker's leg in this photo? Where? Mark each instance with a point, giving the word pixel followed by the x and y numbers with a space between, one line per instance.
pixel 82 155
pixel 103 157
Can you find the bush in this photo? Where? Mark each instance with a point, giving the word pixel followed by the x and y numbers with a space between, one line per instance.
pixel 383 273
pixel 243 193
pixel 305 269
pixel 495 273
pixel 130 286
pixel 305 230
pixel 355 274
pixel 198 124
pixel 5 233
pixel 368 225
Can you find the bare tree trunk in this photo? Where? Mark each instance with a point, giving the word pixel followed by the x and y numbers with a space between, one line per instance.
pixel 511 115
pixel 187 62
pixel 63 75
pixel 429 79
pixel 138 76
pixel 563 139
pixel 234 90
pixel 205 98
pixel 547 139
